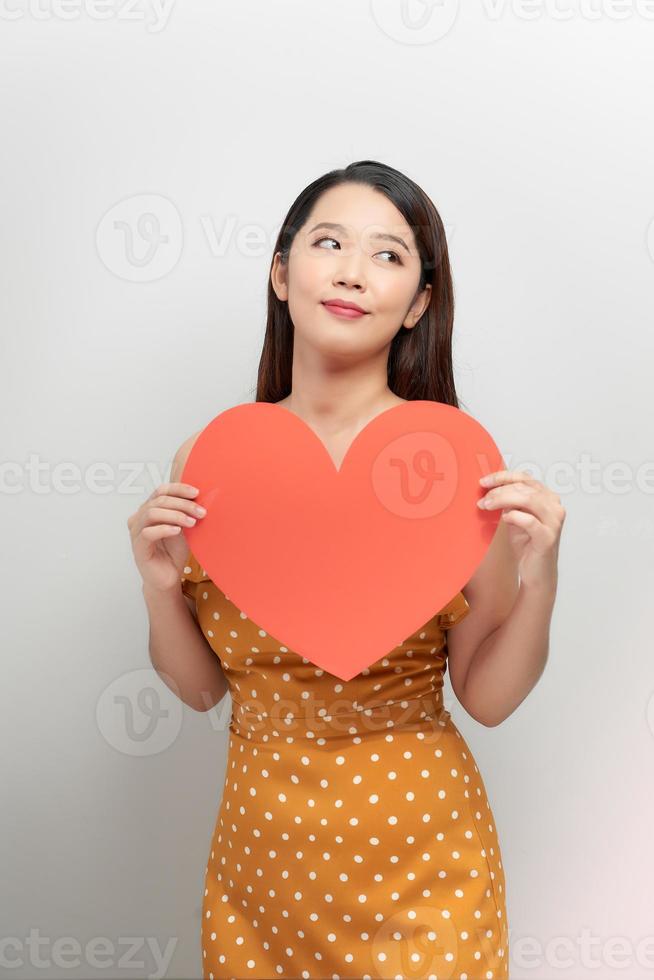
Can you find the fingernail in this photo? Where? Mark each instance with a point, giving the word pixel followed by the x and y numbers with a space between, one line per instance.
pixel 485 480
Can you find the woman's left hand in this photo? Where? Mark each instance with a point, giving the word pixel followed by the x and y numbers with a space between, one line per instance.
pixel 534 515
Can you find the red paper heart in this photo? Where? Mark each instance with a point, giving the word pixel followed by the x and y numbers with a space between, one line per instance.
pixel 341 565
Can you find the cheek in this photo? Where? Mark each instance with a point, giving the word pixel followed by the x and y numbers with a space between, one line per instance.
pixel 305 277
pixel 391 297
pixel 395 292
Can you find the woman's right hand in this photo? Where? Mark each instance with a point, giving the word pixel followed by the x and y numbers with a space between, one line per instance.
pixel 155 528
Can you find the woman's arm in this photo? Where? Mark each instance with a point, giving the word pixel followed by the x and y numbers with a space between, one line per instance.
pixel 510 661
pixel 179 652
pixel 497 654
pixel 178 649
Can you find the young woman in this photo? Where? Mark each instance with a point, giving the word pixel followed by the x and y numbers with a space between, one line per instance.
pixel 355 836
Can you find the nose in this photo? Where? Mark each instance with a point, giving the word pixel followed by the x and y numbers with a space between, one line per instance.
pixel 350 276
pixel 349 271
pixel 351 282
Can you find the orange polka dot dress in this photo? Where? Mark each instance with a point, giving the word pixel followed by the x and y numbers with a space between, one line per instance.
pixel 354 838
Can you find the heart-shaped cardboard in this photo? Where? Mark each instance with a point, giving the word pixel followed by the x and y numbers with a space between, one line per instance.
pixel 341 566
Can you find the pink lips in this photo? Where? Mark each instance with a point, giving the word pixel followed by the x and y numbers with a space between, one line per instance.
pixel 345 312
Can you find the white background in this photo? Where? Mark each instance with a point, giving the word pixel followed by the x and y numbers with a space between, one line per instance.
pixel 530 126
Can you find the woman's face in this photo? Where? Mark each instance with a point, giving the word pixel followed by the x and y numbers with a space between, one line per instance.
pixel 370 259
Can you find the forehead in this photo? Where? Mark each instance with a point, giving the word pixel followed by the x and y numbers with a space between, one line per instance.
pixel 360 210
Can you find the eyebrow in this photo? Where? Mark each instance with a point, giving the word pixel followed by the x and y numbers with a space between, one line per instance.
pixel 382 235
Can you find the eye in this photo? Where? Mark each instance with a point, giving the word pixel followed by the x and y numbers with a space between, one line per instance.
pixel 325 239
pixel 386 251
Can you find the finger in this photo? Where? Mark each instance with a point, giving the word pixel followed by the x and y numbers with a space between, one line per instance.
pixel 157 531
pixel 178 503
pixel 549 502
pixel 500 496
pixel 542 537
pixel 545 513
pixel 176 489
pixel 165 515
pixel 159 516
pixel 527 522
pixel 509 476
pixel 150 513
pixel 527 499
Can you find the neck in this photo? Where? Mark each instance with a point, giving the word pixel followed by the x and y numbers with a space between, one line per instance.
pixel 339 400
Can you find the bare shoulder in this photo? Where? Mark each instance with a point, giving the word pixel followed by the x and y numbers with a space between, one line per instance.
pixel 182 454
pixel 490 593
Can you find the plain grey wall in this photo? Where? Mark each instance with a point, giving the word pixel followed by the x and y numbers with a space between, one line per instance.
pixel 532 132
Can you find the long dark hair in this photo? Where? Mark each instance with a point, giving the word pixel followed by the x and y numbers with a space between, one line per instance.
pixel 420 359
